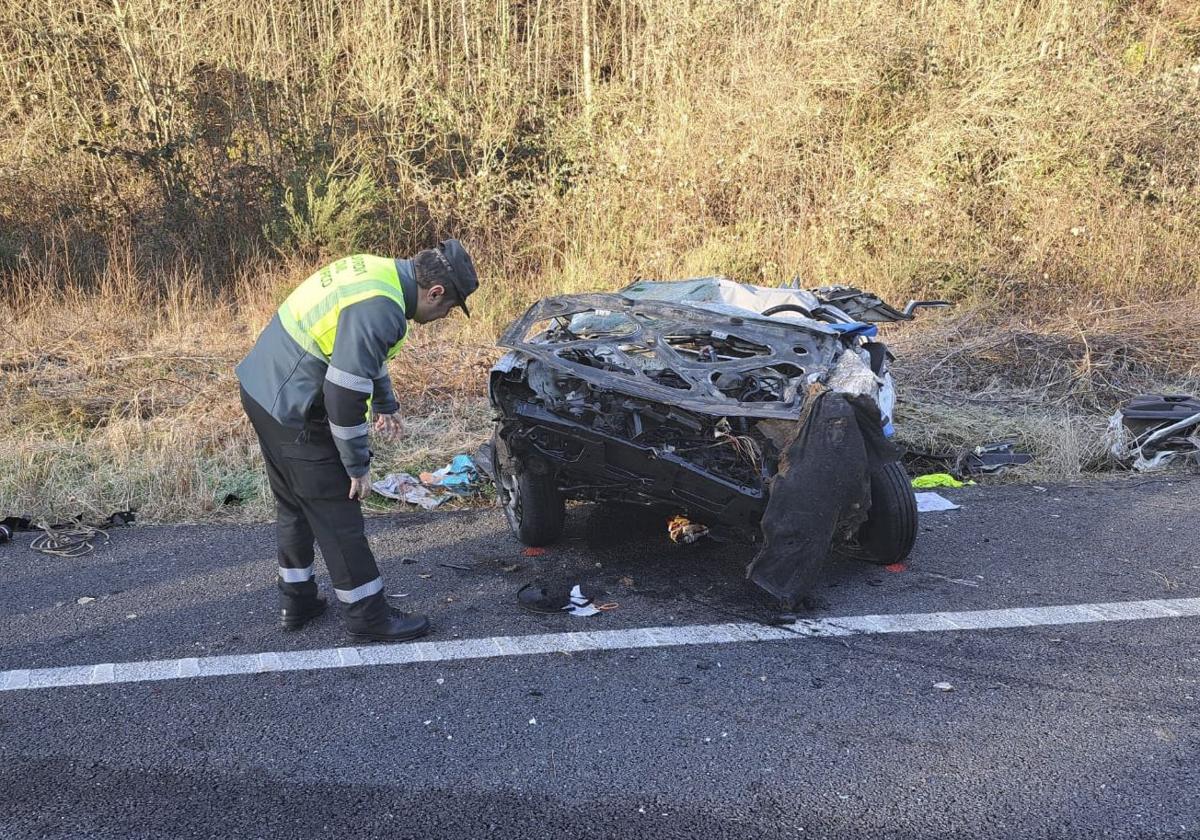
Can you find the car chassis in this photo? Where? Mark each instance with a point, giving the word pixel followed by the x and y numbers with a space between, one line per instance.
pixel 683 394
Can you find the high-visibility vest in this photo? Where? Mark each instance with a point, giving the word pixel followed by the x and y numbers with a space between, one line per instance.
pixel 310 313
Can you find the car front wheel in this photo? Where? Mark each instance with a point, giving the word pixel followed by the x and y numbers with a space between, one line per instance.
pixel 532 504
pixel 890 531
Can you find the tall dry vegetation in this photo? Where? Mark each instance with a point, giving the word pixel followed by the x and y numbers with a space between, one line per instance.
pixel 1032 150
pixel 1024 157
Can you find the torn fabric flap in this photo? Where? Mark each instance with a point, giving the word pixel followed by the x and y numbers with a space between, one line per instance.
pixel 821 492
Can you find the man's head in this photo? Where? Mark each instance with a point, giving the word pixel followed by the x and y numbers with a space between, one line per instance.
pixel 445 277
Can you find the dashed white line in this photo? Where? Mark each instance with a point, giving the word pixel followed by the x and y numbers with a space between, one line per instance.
pixel 107 673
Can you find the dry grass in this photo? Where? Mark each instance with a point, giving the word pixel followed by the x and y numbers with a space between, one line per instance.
pixel 168 169
pixel 1023 153
pixel 117 398
pixel 1050 381
pixel 114 400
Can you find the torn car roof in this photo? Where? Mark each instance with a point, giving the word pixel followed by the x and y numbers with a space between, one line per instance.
pixel 682 352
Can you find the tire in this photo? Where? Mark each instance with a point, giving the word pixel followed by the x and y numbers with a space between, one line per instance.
pixel 532 504
pixel 890 531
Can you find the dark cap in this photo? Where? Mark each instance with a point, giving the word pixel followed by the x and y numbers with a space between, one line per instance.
pixel 462 270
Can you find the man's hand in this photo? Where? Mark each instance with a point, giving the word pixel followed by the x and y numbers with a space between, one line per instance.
pixel 389 426
pixel 360 487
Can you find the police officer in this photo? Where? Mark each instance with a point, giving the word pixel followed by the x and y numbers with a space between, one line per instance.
pixel 313 385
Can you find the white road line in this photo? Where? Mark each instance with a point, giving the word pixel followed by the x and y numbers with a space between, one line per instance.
pixel 106 673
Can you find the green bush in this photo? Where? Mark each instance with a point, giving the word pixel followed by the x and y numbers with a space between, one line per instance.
pixel 330 215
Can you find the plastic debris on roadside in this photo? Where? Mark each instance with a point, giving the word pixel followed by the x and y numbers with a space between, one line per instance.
pixel 930 502
pixel 992 457
pixel 1154 430
pixel 683 530
pixel 403 487
pixel 538 598
pixel 985 459
pixel 460 477
pixel 580 605
pixel 928 482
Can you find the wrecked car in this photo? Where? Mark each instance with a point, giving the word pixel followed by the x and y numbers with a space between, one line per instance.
pixel 763 413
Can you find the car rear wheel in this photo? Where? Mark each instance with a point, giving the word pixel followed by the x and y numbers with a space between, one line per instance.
pixel 890 531
pixel 532 504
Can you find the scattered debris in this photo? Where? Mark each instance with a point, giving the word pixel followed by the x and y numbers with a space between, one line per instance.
pixel 895 568
pixel 580 605
pixel 928 482
pixel 67 539
pixel 949 579
pixel 460 477
pixel 86 599
pixel 992 457
pixel 930 502
pixel 538 598
pixel 403 487
pixel 74 538
pixel 683 530
pixel 16 523
pixel 456 566
pixel 533 551
pixel 943 686
pixel 511 567
pixel 985 459
pixel 232 500
pixel 1154 430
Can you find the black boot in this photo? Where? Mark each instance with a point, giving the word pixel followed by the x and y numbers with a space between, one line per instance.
pixel 372 618
pixel 296 610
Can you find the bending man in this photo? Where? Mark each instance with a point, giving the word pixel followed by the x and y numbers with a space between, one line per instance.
pixel 308 385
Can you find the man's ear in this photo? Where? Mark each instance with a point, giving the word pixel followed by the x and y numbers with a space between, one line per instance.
pixel 436 292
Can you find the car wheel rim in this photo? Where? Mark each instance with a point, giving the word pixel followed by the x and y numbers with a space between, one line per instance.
pixel 511 499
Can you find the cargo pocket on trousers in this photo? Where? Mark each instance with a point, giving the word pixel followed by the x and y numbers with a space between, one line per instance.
pixel 316 472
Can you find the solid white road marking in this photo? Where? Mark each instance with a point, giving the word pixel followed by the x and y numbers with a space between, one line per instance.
pixel 105 673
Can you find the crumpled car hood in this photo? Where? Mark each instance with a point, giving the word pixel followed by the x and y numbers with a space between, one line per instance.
pixel 692 355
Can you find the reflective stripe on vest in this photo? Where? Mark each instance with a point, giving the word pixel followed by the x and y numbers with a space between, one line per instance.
pixel 310 313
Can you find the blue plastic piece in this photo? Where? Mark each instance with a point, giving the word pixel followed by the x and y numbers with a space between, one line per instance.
pixel 459 476
pixel 858 328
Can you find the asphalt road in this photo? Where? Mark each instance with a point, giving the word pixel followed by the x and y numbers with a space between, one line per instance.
pixel 1060 731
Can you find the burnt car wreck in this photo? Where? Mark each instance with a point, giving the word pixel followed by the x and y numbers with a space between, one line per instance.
pixel 763 413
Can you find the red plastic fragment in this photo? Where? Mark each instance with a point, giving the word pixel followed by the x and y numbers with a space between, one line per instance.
pixel 895 567
pixel 534 552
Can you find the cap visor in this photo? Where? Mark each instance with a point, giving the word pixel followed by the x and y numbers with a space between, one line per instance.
pixel 463 305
